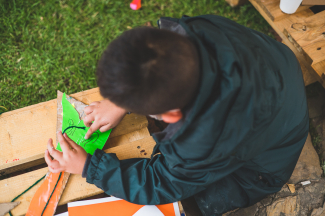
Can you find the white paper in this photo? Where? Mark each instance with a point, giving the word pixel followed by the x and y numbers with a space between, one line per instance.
pixel 93 201
pixel 305 183
pixel 149 210
pixel 63 214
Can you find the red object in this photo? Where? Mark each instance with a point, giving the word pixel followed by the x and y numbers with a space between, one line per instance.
pixel 135 4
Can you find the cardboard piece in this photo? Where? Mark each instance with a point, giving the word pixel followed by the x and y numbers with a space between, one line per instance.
pixel 6 207
pixel 71 117
pixel 67 115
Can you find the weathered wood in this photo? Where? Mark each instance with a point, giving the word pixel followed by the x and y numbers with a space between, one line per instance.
pixel 272 9
pixel 309 36
pixel 77 187
pixel 127 138
pixel 235 3
pixel 24 132
pixel 282 22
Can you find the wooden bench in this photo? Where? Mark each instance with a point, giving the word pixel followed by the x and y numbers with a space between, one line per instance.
pixel 23 138
pixel 303 32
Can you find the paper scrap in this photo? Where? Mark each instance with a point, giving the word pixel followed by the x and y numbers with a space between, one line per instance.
pixel 71 118
pixel 149 210
pixel 63 214
pixel 305 183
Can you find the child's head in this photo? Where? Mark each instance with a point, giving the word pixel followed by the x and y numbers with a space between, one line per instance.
pixel 149 71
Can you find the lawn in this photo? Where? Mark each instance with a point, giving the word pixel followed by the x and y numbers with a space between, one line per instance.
pixel 54 45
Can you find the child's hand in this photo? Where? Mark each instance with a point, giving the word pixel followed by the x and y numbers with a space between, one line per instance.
pixel 102 115
pixel 72 158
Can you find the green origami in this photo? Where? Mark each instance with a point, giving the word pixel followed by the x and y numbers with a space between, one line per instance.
pixel 71 118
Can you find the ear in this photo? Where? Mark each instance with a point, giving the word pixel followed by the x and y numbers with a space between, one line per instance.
pixel 172 116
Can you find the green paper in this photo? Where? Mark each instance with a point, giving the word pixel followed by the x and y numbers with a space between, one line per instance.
pixel 71 118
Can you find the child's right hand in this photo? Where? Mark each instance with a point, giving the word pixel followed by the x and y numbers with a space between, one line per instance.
pixel 102 115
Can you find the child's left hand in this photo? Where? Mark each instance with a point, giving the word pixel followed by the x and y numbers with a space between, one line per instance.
pixel 72 158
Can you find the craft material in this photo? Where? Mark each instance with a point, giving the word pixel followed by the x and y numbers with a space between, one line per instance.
pixel 289 6
pixel 48 195
pixel 112 206
pixel 63 214
pixel 77 133
pixel 123 141
pixel 305 183
pixel 7 207
pixel 14 199
pixel 135 4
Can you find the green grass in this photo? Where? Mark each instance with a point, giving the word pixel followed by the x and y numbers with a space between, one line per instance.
pixel 54 45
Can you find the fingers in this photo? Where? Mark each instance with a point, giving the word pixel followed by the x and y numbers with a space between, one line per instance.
pixel 54 153
pixel 95 126
pixel 54 165
pixel 89 109
pixel 55 170
pixel 94 103
pixel 63 143
pixel 105 128
pixel 71 142
pixel 48 158
pixel 88 120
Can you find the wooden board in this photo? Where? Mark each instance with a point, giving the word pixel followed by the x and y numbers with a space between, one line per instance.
pixel 313 2
pixel 279 21
pixel 272 9
pixel 77 187
pixel 308 36
pixel 24 132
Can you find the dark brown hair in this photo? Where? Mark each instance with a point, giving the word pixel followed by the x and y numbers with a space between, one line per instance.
pixel 149 71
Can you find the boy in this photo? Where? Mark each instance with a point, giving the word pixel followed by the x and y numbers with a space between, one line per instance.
pixel 235 101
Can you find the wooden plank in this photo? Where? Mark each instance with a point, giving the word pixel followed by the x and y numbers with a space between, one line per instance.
pixel 313 2
pixel 24 132
pixel 306 32
pixel 77 187
pixel 307 72
pixel 310 75
pixel 320 68
pixel 272 9
pixel 309 35
pixel 127 138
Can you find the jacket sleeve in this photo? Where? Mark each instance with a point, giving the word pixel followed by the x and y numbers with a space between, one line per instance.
pixel 146 181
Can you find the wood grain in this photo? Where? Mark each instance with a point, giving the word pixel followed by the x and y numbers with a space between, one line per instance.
pixel 308 34
pixel 272 9
pixel 77 187
pixel 25 132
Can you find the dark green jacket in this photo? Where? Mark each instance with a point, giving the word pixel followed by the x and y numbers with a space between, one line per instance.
pixel 250 112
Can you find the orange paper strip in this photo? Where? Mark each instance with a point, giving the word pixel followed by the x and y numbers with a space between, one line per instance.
pixel 42 195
